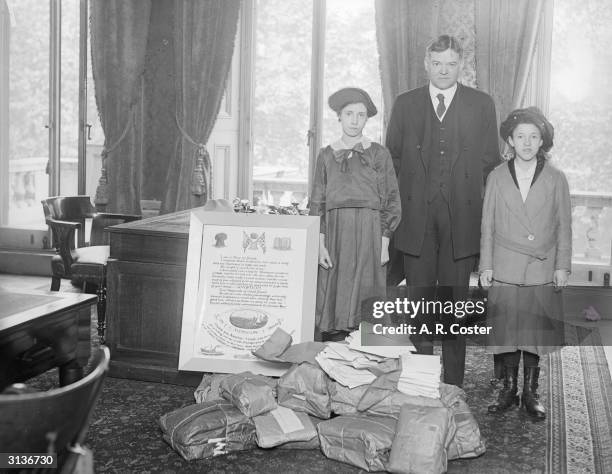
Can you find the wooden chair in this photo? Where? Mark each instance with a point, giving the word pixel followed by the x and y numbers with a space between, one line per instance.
pixel 76 259
pixel 55 421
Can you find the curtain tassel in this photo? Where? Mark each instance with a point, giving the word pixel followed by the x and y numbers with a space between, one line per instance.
pixel 200 176
pixel 101 198
pixel 102 194
pixel 201 172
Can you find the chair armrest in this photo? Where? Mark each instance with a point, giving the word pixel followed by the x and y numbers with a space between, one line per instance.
pixel 62 224
pixel 63 239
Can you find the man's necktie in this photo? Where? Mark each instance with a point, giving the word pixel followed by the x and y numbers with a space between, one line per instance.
pixel 441 107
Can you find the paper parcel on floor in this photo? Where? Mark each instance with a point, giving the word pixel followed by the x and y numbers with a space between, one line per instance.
pixel 208 429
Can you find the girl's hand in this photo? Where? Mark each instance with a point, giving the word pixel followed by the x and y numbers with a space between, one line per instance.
pixel 384 251
pixel 324 258
pixel 560 278
pixel 486 278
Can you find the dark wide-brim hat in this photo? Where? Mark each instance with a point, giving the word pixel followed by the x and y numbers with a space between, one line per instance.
pixel 531 115
pixel 351 95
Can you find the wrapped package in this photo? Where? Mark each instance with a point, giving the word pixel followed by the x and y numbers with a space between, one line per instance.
pixel 209 388
pixel 207 429
pixel 252 394
pixel 280 348
pixel 344 400
pixel 276 344
pixel 303 352
pixel 283 425
pixel 311 443
pixel 449 394
pixel 383 398
pixel 363 441
pixel 467 442
pixel 305 388
pixel 423 434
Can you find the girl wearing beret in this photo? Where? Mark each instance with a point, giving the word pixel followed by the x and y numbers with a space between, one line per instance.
pixel 355 193
pixel 525 256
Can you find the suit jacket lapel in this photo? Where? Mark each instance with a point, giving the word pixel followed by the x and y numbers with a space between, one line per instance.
pixel 461 123
pixel 422 123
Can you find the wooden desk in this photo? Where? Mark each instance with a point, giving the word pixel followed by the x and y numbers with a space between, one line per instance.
pixel 40 330
pixel 145 288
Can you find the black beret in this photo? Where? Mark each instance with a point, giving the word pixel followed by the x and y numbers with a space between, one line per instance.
pixel 531 115
pixel 351 95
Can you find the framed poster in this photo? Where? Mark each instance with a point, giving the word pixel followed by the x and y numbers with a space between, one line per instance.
pixel 247 274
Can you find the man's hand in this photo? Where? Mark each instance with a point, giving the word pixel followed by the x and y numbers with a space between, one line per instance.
pixel 560 278
pixel 486 278
pixel 384 251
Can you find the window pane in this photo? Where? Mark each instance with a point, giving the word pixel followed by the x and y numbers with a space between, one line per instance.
pixel 282 98
pixel 351 60
pixel 69 131
pixel 581 92
pixel 581 112
pixel 28 112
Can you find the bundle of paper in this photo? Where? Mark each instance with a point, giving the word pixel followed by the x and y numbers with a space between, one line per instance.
pixel 386 346
pixel 359 360
pixel 345 366
pixel 420 375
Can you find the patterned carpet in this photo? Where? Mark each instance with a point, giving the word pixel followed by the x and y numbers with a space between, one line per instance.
pixel 576 437
pixel 579 437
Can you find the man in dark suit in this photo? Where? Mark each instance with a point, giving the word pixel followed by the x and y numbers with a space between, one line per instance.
pixel 443 140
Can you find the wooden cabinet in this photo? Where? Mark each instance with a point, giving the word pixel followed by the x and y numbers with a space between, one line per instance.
pixel 146 284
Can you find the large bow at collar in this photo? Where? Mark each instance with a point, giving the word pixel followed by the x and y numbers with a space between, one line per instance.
pixel 342 156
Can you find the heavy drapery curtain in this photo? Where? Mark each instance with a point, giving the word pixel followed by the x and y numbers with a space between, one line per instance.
pixel 119 31
pixel 204 33
pixel 403 29
pixel 506 36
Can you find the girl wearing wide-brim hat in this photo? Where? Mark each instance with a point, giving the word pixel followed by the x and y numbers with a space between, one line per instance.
pixel 356 195
pixel 525 256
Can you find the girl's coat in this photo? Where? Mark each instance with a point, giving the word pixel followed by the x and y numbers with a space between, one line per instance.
pixel 524 243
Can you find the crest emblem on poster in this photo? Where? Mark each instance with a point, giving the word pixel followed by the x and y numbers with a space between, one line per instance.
pixel 253 241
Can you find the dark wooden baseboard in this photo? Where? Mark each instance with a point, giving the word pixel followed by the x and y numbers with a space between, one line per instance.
pixel 152 373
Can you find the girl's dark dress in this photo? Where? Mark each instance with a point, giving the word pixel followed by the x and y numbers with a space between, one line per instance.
pixel 356 195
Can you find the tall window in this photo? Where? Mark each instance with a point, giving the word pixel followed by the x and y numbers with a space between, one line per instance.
pixel 40 56
pixel 26 155
pixel 284 56
pixel 69 130
pixel 351 59
pixel 581 111
pixel 282 96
